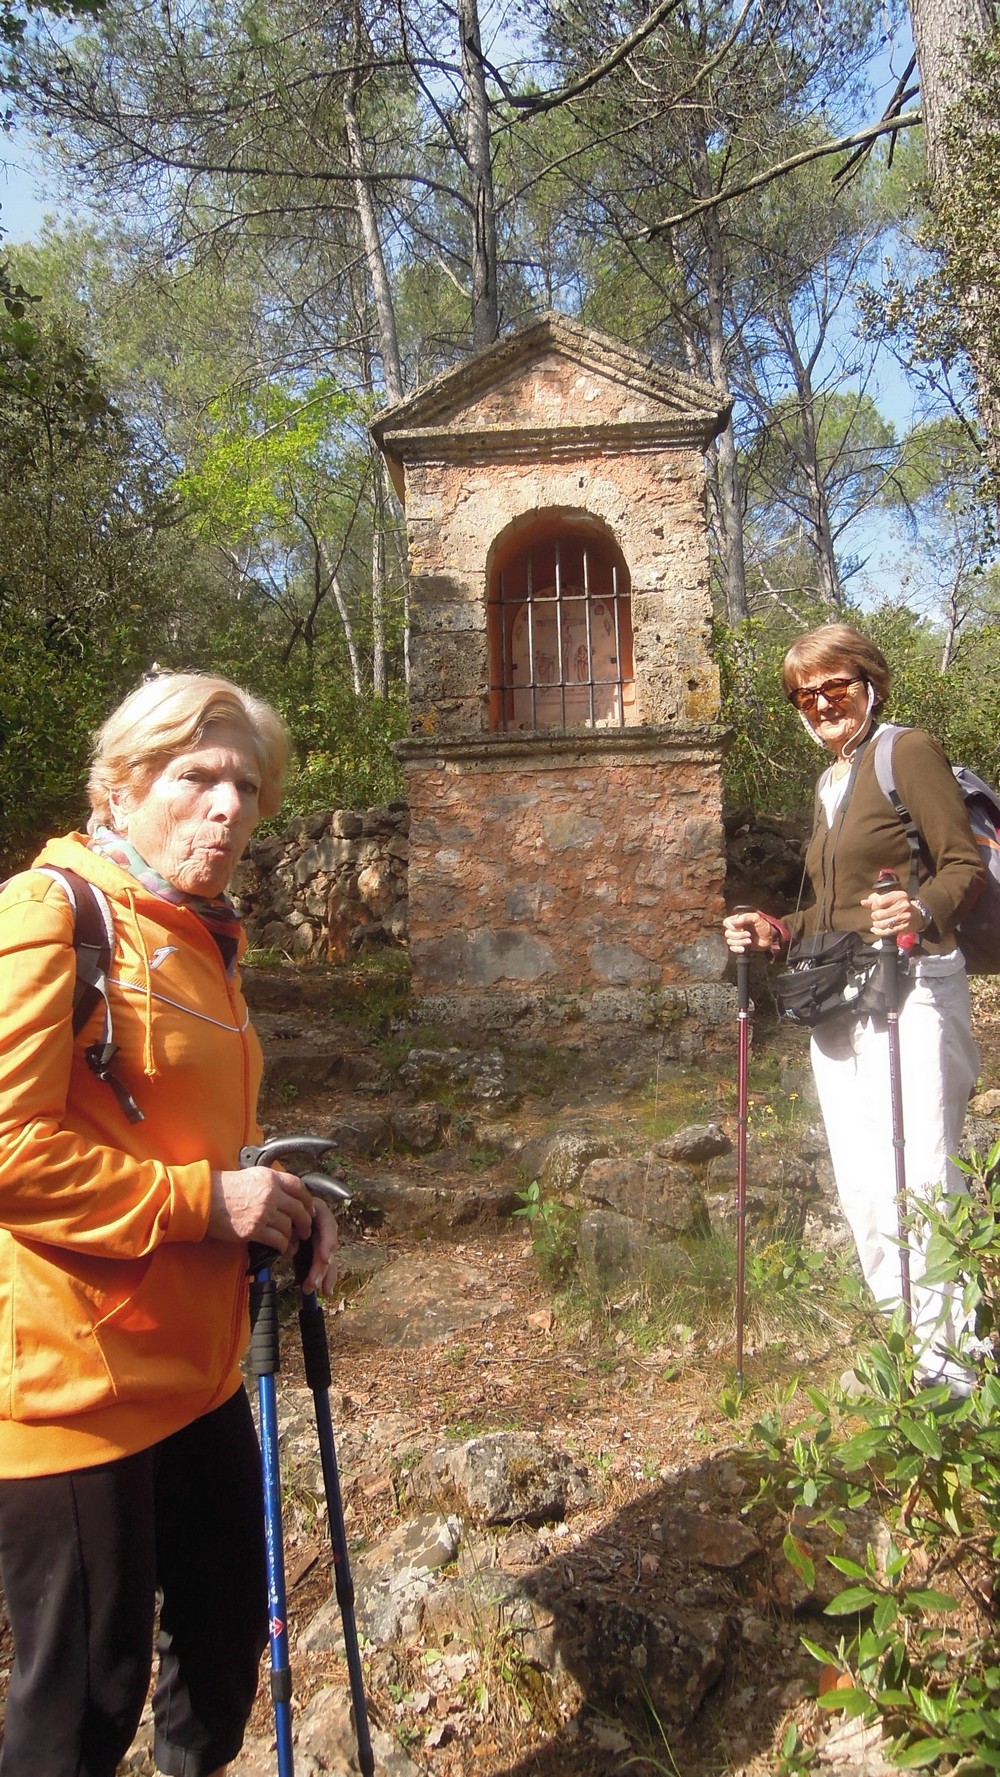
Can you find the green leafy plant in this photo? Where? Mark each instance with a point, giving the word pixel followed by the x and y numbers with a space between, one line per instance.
pixel 551 1225
pixel 927 1460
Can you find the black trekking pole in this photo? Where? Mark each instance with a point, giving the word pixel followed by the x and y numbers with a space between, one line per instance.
pixel 316 1357
pixel 887 882
pixel 742 1102
pixel 264 1364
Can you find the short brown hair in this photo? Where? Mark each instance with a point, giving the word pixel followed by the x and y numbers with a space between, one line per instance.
pixel 833 648
pixel 168 714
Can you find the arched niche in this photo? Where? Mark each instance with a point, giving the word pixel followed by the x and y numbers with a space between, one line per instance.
pixel 560 626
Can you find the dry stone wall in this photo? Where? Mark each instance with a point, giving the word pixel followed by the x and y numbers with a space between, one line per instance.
pixel 328 884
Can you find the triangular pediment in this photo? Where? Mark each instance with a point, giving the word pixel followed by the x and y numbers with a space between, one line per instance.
pixel 555 380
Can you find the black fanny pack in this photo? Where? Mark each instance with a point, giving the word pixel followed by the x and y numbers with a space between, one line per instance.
pixel 833 973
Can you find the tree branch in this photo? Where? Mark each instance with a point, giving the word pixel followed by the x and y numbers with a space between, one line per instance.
pixel 873 130
pixel 534 103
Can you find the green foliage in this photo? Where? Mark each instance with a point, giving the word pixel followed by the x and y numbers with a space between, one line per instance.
pixel 258 453
pixel 15 14
pixel 772 765
pixel 928 1461
pixel 551 1225
pixel 86 580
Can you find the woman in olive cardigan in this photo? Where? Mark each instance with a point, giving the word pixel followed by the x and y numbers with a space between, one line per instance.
pixel 838 682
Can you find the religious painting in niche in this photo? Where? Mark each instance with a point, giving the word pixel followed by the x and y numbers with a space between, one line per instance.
pixel 561 635
pixel 575 653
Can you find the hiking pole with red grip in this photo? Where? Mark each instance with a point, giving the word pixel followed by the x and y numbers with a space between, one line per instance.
pixel 887 883
pixel 742 1103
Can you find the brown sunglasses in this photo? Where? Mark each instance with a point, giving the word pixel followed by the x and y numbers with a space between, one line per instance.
pixel 805 697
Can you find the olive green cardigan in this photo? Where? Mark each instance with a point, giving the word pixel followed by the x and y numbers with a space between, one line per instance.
pixel 843 861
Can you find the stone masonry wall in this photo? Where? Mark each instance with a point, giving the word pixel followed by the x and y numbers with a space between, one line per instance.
pixel 327 884
pixel 575 870
pixel 653 507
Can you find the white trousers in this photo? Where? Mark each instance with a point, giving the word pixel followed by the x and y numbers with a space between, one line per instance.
pixel 939 1064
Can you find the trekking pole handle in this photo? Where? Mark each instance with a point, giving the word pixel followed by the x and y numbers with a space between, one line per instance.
pixel 743 971
pixel 318 1184
pixel 327 1189
pixel 888 880
pixel 285 1147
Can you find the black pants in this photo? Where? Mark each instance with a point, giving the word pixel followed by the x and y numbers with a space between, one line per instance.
pixel 82 1556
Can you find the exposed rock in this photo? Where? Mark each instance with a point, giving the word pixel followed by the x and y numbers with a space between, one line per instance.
pixel 503 1478
pixel 978 1137
pixel 326 885
pixel 646 1656
pixel 326 1744
pixel 613 1251
pixel 484 1202
pixel 358 1260
pixel 649 1190
pixel 864 1529
pixel 474 1076
pixel 565 1156
pixel 297 1060
pixel 503 1138
pixel 422 1299
pixel 419 1127
pixel 404 1205
pixel 392 1581
pixel 780 1190
pixel 694 1145
pixel 715 1542
pixel 363 1134
pixel 853 1748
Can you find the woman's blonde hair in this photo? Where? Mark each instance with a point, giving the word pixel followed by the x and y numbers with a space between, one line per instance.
pixel 837 648
pixel 169 714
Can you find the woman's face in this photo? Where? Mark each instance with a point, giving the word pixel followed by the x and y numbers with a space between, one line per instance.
pixel 838 714
pixel 194 818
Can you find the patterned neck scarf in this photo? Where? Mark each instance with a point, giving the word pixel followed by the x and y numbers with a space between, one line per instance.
pixel 218 914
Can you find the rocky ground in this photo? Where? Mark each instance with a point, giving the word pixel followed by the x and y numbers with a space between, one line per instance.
pixel 560 1563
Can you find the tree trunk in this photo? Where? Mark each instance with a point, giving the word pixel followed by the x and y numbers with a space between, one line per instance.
pixel 943 32
pixel 940 31
pixel 392 370
pixel 807 451
pixel 728 498
pixel 479 159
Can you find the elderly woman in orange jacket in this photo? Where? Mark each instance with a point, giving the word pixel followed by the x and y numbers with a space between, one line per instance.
pixel 128 1458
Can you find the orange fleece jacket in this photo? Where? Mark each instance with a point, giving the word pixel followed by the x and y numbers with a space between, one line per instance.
pixel 120 1321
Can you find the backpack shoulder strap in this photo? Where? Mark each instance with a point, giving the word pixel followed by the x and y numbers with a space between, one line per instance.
pixel 93 941
pixel 885 742
pixel 94 944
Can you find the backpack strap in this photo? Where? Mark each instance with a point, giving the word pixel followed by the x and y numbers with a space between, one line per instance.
pixel 885 741
pixel 93 942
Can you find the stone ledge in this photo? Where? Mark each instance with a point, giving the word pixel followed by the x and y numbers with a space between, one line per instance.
pixel 554 749
pixel 707 1005
pixel 550 444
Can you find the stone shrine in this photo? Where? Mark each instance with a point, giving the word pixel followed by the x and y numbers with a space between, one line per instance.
pixel 563 766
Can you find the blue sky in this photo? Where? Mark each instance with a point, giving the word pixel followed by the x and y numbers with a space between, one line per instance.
pixel 22 210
